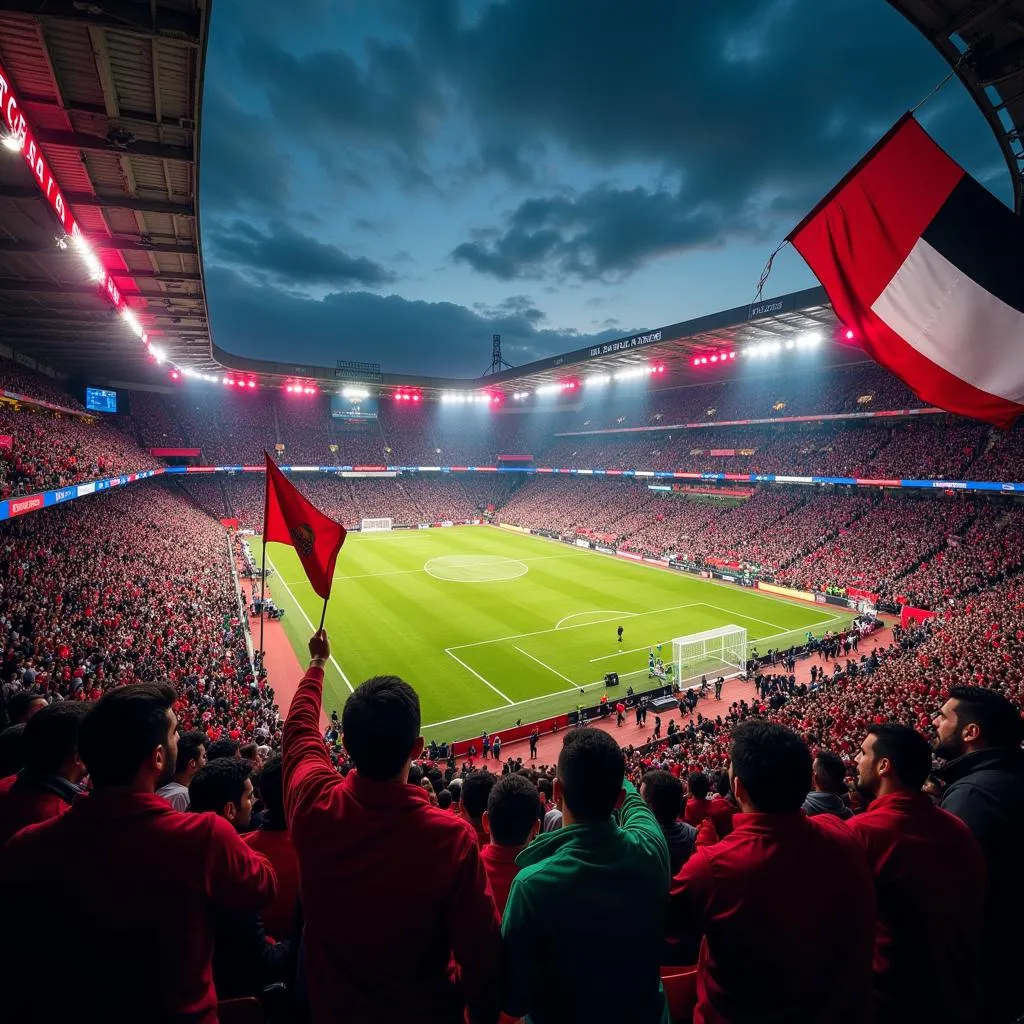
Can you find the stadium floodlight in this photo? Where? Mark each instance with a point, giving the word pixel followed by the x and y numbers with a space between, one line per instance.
pixel 11 142
pixel 132 321
pixel 597 379
pixel 809 339
pixel 157 353
pixel 713 652
pixel 355 393
pixel 790 344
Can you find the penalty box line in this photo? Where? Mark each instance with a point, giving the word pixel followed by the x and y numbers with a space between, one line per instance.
pixel 576 688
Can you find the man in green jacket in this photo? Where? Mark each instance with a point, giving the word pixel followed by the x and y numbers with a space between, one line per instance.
pixel 584 924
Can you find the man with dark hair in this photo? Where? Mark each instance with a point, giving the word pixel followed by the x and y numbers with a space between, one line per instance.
pixel 476 788
pixel 828 779
pixel 604 873
pixel 723 809
pixel 23 705
pixel 663 793
pixel 698 785
pixel 49 782
pixel 917 852
pixel 12 753
pixel 224 786
pixel 511 820
pixel 807 876
pixel 362 842
pixel 223 748
pixel 244 959
pixel 978 733
pixel 273 840
pixel 155 876
pixel 191 758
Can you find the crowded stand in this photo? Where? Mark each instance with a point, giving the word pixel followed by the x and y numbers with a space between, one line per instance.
pixel 24 380
pixel 50 450
pixel 134 585
pixel 153 423
pixel 881 546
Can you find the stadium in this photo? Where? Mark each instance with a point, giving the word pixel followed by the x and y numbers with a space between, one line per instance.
pixel 673 545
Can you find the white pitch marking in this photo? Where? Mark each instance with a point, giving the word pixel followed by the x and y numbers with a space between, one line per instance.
pixel 545 665
pixel 491 686
pixel 597 611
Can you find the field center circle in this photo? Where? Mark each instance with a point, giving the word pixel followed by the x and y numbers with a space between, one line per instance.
pixel 475 568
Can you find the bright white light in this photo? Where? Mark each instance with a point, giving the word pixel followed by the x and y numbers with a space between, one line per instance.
pixel 790 344
pixel 13 143
pixel 809 340
pixel 158 353
pixel 132 321
pixel 356 393
pixel 598 379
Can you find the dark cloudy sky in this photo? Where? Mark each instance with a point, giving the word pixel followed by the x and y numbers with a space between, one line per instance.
pixel 396 180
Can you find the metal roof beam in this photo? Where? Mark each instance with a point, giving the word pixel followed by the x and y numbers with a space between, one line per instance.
pixel 113 242
pixel 119 15
pixel 967 18
pixel 104 202
pixel 96 144
pixel 95 110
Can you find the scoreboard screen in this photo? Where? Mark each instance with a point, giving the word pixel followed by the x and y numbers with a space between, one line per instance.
pixel 343 408
pixel 100 400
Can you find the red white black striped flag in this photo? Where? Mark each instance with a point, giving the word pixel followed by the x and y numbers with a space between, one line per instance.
pixel 926 268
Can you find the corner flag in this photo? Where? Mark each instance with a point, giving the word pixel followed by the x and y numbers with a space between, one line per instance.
pixel 923 265
pixel 291 519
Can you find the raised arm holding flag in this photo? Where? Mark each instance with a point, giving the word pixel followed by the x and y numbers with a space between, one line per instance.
pixel 289 518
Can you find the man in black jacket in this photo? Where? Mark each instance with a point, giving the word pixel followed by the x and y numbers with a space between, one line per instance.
pixel 979 736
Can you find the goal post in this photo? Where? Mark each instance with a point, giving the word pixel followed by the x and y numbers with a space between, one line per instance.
pixel 714 652
pixel 381 525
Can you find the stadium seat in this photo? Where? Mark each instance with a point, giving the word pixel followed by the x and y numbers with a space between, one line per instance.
pixel 681 991
pixel 240 1011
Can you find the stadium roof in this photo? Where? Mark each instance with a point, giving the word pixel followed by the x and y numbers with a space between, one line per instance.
pixel 111 91
pixel 984 42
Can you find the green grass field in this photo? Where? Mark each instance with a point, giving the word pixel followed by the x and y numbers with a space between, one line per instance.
pixel 491 626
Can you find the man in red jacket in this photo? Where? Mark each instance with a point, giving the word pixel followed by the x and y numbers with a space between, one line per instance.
pixel 512 820
pixel 786 903
pixel 930 882
pixel 141 878
pixel 374 855
pixel 48 784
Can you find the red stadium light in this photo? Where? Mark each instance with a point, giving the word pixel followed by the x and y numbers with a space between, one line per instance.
pixel 175 375
pixel 408 395
pixel 732 355
pixel 252 383
pixel 850 335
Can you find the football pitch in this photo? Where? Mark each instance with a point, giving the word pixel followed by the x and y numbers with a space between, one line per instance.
pixel 491 626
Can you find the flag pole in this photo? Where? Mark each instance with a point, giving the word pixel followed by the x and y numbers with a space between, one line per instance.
pixel 263 592
pixel 323 615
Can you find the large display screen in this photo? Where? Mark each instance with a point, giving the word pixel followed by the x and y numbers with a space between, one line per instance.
pixel 343 408
pixel 100 400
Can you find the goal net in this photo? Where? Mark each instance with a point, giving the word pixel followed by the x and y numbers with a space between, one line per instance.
pixel 375 525
pixel 715 652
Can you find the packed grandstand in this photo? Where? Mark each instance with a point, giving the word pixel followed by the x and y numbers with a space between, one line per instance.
pixel 190 832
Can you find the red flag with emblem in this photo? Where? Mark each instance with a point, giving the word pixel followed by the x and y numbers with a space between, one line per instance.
pixel 291 519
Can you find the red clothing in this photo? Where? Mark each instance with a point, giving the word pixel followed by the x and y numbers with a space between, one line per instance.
pixel 696 810
pixel 787 907
pixel 141 880
pixel 24 805
pixel 279 917
pixel 721 812
pixel 374 858
pixel 500 865
pixel 930 881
